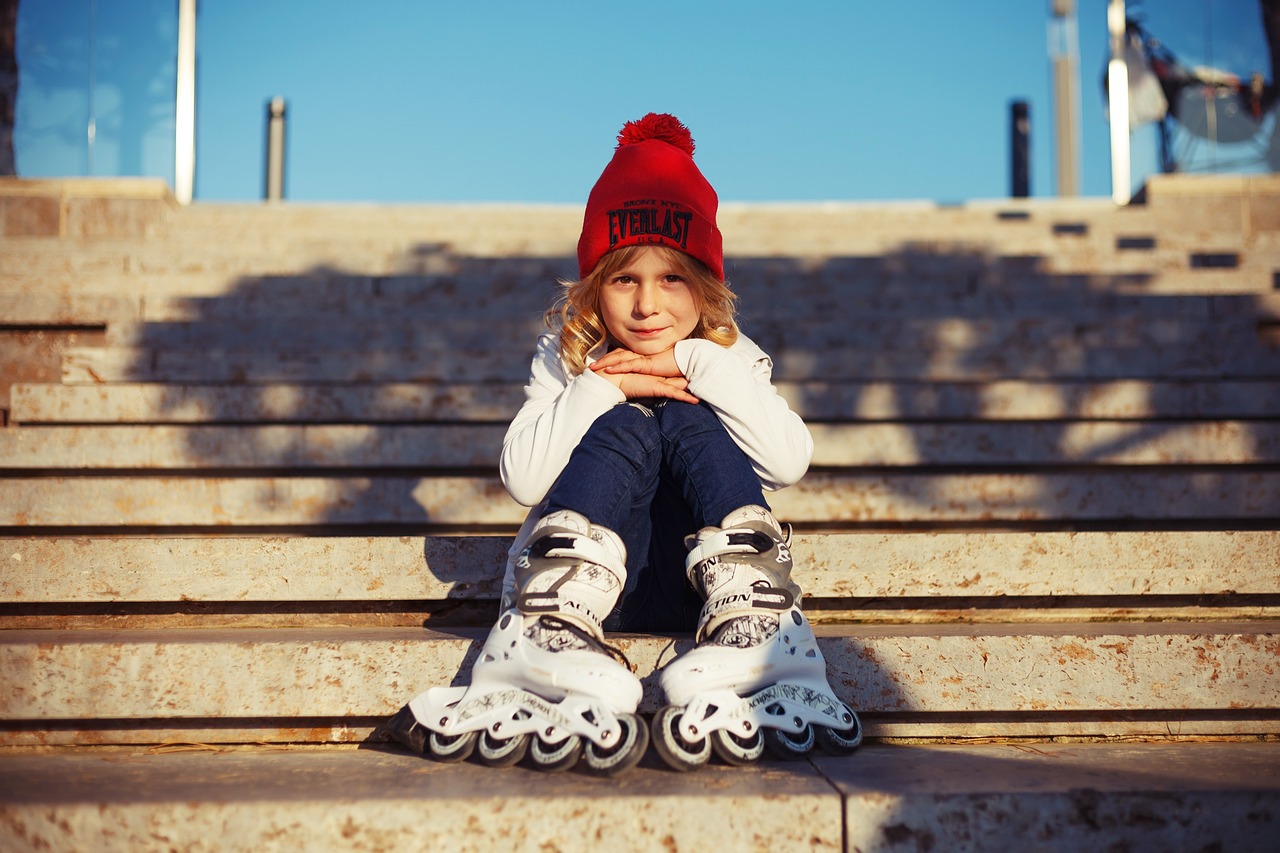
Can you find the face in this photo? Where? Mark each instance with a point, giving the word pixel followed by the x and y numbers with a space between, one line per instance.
pixel 648 305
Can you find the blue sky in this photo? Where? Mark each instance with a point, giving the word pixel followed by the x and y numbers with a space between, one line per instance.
pixel 415 100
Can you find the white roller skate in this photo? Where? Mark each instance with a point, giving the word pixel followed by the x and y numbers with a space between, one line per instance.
pixel 545 684
pixel 756 679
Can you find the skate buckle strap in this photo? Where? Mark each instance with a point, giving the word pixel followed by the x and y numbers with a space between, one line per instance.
pixel 551 600
pixel 568 558
pixel 578 547
pixel 742 602
pixel 728 541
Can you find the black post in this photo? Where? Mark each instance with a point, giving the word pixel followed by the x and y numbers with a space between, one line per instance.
pixel 1020 149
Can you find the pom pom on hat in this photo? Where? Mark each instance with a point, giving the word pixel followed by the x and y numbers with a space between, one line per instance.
pixel 661 126
pixel 652 194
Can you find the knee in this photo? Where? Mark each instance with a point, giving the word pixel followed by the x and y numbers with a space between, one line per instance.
pixel 627 426
pixel 680 420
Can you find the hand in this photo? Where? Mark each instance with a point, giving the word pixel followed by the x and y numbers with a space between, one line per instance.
pixel 636 386
pixel 625 361
pixel 639 376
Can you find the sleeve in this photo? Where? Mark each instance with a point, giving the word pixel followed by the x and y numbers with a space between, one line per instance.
pixel 737 383
pixel 558 410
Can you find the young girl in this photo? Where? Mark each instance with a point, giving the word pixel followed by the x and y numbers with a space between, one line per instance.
pixel 649 433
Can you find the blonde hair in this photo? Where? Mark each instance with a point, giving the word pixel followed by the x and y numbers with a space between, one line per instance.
pixel 576 312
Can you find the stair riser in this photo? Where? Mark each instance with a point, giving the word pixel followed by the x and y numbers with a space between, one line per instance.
pixel 1172 675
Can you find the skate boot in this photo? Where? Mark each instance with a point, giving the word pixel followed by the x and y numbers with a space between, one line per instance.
pixel 545 684
pixel 756 680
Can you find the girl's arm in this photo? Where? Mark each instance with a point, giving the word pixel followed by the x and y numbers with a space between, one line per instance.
pixel 557 412
pixel 737 384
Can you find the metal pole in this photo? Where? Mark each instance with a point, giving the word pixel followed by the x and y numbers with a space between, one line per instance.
pixel 91 120
pixel 274 186
pixel 1020 149
pixel 1066 97
pixel 184 156
pixel 1118 100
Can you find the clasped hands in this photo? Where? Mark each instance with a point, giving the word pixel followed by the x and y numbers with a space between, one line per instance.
pixel 639 376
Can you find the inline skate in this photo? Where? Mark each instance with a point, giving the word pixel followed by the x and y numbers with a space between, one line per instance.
pixel 756 680
pixel 545 684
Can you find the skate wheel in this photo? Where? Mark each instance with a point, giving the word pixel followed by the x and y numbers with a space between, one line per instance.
pixel 840 741
pixel 501 752
pixel 786 746
pixel 678 753
pixel 735 750
pixel 555 757
pixel 405 729
pixel 622 756
pixel 450 749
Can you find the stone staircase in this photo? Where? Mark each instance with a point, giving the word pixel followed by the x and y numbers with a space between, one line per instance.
pixel 251 507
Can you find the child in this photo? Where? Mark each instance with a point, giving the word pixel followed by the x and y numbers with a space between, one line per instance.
pixel 649 432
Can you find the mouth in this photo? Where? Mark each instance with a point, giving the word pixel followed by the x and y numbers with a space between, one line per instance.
pixel 647 333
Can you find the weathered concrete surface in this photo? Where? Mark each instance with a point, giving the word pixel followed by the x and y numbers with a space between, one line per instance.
pixel 34 404
pixel 270 447
pixel 68 310
pixel 844 566
pixel 1233 357
pixel 387 801
pixel 1067 679
pixel 1001 400
pixel 1135 797
pixel 83 208
pixel 181 272
pixel 480 292
pixel 395 325
pixel 1139 797
pixel 479 445
pixel 830 498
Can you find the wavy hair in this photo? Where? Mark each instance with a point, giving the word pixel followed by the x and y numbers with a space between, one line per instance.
pixel 576 313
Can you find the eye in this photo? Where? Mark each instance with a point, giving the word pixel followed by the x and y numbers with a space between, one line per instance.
pixel 621 279
pixel 673 278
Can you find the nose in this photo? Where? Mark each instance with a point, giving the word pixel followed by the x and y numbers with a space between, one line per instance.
pixel 647 299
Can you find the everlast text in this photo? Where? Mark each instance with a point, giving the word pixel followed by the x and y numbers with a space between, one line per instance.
pixel 649 222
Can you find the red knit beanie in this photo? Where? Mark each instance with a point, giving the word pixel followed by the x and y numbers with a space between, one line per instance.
pixel 652 193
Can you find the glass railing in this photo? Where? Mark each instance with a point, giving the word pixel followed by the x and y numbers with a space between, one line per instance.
pixel 96 83
pixel 1208 66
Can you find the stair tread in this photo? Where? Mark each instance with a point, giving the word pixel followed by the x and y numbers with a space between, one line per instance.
pixel 818 400
pixel 1066 797
pixel 838 565
pixel 454 446
pixel 833 498
pixel 1092 671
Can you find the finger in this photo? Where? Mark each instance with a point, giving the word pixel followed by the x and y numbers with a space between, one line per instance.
pixel 677 389
pixel 611 357
pixel 638 364
pixel 683 396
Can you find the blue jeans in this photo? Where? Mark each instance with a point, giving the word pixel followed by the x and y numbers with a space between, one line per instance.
pixel 654 471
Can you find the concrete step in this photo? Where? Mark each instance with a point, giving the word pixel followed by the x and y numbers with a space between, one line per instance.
pixel 815 401
pixel 83 209
pixel 246 275
pixel 403 402
pixel 864 570
pixel 1123 497
pixel 479 301
pixel 1067 679
pixel 1232 358
pixel 455 446
pixel 396 330
pixel 1052 797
